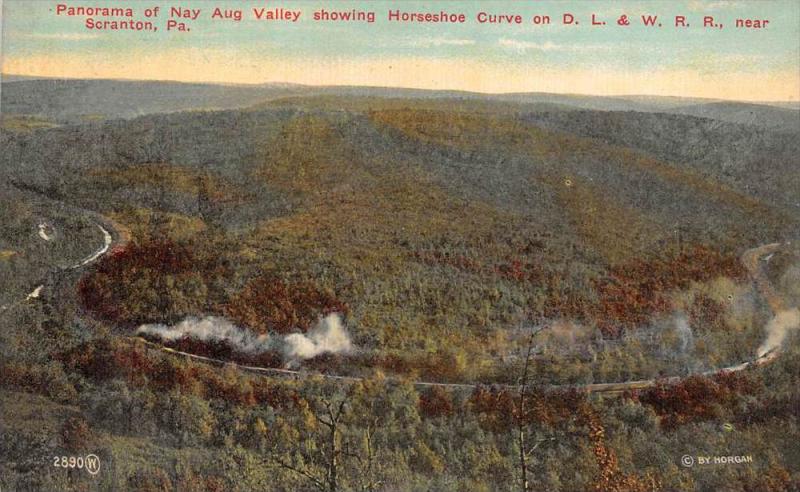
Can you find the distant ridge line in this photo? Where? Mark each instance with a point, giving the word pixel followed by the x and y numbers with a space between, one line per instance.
pixel 638 98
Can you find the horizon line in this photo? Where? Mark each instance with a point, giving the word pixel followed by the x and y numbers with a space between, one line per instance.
pixel 788 102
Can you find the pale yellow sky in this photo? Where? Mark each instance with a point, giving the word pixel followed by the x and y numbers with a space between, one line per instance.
pixel 730 63
pixel 208 65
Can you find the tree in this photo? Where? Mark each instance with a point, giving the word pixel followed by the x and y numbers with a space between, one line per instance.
pixel 320 463
pixel 371 412
pixel 610 478
pixel 75 433
pixel 522 412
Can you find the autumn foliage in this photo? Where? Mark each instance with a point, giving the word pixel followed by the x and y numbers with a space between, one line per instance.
pixel 499 409
pixel 152 282
pixel 696 398
pixel 221 350
pixel 632 293
pixel 706 314
pixel 165 281
pixel 75 433
pixel 627 297
pixel 269 303
pixel 609 477
pixel 104 360
pixel 436 402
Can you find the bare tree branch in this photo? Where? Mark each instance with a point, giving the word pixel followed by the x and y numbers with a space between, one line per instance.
pixel 521 410
pixel 317 482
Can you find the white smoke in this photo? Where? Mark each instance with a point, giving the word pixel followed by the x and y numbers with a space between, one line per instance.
pixel 210 329
pixel 777 329
pixel 684 331
pixel 329 335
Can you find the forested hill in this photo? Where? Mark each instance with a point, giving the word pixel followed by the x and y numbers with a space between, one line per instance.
pixel 77 100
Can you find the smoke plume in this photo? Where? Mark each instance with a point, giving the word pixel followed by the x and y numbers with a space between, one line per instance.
pixel 777 329
pixel 329 335
pixel 683 331
pixel 210 329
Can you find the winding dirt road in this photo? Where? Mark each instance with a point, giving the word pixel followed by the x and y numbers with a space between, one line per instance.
pixel 107 242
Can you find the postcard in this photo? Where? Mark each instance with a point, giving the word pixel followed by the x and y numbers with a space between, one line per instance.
pixel 400 245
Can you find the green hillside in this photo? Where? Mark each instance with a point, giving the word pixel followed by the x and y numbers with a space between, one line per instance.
pixel 442 231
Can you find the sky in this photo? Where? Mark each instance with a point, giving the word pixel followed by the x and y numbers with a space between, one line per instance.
pixel 727 63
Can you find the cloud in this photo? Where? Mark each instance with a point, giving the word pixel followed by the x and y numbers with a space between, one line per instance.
pixel 429 42
pixel 708 6
pixel 518 45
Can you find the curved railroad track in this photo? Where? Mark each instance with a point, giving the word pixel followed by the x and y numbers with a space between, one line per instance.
pixel 751 259
pixel 119 235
